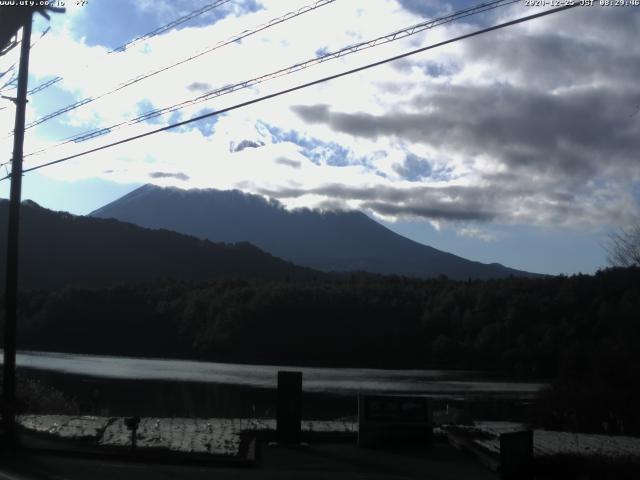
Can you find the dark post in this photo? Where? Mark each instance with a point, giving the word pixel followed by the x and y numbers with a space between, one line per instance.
pixel 516 455
pixel 11 285
pixel 132 424
pixel 289 416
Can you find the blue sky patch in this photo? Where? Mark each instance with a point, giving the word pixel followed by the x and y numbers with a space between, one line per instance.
pixel 145 106
pixel 435 69
pixel 95 15
pixel 329 153
pixel 206 125
pixel 57 127
pixel 576 251
pixel 175 117
pixel 414 168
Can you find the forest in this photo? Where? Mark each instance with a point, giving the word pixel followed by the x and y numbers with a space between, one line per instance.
pixel 579 332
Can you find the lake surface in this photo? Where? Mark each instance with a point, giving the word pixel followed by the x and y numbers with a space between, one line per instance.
pixel 444 383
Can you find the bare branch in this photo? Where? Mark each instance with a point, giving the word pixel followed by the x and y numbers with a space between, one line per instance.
pixel 623 248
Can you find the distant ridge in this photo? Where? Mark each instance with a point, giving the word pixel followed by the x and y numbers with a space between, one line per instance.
pixel 327 241
pixel 60 249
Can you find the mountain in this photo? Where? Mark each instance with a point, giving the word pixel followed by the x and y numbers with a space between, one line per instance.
pixel 58 249
pixel 327 241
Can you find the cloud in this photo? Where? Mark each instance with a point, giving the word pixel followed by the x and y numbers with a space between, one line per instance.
pixel 177 176
pixel 199 87
pixel 533 124
pixel 569 134
pixel 287 162
pixel 437 211
pixel 477 233
pixel 432 203
pixel 420 7
pixel 245 144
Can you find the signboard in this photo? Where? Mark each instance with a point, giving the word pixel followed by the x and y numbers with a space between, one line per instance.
pixel 393 420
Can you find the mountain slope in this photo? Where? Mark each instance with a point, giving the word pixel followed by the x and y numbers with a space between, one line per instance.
pixel 329 241
pixel 58 249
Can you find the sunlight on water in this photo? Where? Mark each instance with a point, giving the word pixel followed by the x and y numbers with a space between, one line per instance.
pixel 330 380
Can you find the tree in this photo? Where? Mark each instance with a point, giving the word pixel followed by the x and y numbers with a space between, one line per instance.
pixel 623 248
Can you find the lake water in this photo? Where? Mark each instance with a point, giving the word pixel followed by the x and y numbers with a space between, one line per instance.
pixel 319 380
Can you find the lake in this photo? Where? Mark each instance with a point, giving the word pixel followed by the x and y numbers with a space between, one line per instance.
pixel 169 387
pixel 324 380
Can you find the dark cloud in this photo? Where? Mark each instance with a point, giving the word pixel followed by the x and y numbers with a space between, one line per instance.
pixel 313 113
pixel 199 87
pixel 233 147
pixel 178 175
pixel 396 87
pixel 520 202
pixel 545 124
pixel 288 162
pixel 441 211
pixel 428 67
pixel 420 7
pixel 437 8
pixel 555 60
pixel 570 135
pixel 611 28
pixel 446 203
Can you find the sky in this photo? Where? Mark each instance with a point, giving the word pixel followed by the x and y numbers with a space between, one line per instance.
pixel 519 146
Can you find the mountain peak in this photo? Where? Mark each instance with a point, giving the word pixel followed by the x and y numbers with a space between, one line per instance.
pixel 328 241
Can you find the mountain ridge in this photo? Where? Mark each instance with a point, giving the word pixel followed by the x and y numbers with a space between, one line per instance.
pixel 325 241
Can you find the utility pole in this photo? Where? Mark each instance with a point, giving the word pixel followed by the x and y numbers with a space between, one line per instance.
pixel 11 284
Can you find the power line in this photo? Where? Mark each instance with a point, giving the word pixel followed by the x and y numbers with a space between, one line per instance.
pixel 170 25
pixel 233 39
pixel 10 46
pixel 393 36
pixel 11 68
pixel 44 32
pixel 304 85
pixel 44 85
pixel 13 80
pixel 153 33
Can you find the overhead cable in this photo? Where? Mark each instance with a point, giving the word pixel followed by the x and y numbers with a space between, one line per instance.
pixel 303 86
pixel 170 25
pixel 230 40
pixel 146 36
pixel 227 89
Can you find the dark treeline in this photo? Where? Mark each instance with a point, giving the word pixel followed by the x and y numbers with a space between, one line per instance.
pixel 582 330
pixel 526 326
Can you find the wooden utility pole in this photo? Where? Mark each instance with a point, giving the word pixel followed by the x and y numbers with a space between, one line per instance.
pixel 11 284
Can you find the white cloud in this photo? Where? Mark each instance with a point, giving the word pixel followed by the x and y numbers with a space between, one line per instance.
pixel 477 233
pixel 369 161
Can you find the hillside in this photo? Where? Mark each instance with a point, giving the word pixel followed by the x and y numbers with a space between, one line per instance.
pixel 59 249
